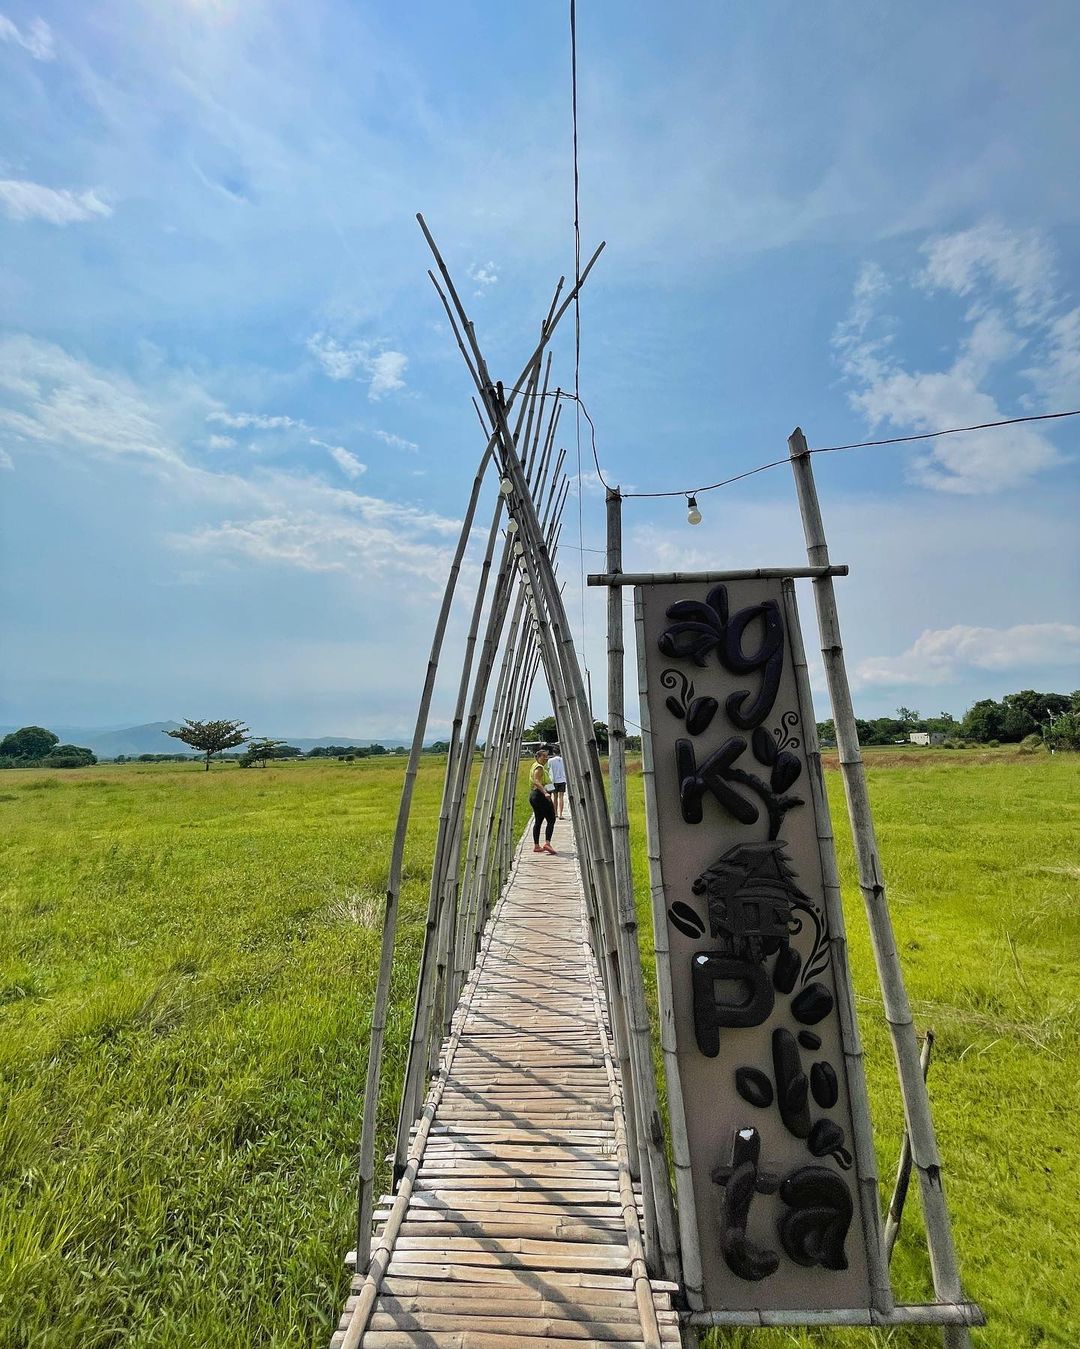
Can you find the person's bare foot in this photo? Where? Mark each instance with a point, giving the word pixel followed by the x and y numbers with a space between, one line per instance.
pixel 537 848
pixel 548 848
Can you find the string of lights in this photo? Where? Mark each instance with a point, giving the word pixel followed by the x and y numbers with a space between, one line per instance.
pixel 692 493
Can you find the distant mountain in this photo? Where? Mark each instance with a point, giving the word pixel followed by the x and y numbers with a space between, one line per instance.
pixel 109 741
pixel 302 742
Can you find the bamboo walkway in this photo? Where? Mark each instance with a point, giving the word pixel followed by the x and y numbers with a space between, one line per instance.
pixel 522 1227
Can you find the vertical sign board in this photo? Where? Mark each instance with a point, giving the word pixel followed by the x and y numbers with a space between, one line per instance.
pixel 754 991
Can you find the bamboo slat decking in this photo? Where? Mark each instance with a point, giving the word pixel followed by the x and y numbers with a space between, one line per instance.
pixel 522 1226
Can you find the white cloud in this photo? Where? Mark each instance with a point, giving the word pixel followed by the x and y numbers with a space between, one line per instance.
pixel 375 539
pixel 1019 262
pixel 257 420
pixel 384 370
pixel 23 200
pixel 67 405
pixel 387 371
pixel 65 402
pixel 395 442
pixel 37 39
pixel 1007 280
pixel 221 442
pixel 485 274
pixel 6 461
pixel 940 655
pixel 345 460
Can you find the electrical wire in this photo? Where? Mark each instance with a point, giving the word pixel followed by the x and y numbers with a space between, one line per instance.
pixel 577 320
pixel 820 449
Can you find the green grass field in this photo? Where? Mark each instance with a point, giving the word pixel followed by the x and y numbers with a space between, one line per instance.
pixel 185 978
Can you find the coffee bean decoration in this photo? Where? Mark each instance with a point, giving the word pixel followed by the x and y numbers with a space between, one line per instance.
pixel 791 1083
pixel 786 969
pixel 825 1137
pixel 809 1039
pixel 823 1085
pixel 753 1086
pixel 686 920
pixel 812 1005
pixel 699 714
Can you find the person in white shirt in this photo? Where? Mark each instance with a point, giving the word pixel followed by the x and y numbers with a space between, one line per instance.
pixel 557 769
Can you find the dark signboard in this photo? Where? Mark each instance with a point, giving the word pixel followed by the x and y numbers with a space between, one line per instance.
pixel 753 980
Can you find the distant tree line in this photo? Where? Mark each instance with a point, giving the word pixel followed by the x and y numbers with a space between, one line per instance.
pixel 1026 716
pixel 35 747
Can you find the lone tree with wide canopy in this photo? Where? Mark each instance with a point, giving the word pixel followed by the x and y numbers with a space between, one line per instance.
pixel 210 737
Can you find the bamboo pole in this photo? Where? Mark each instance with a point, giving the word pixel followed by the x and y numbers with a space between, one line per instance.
pixel 946 1314
pixel 903 1170
pixel 686 1206
pixel 862 1141
pixel 417 1059
pixel 920 1126
pixel 654 578
pixel 650 1127
pixel 366 1161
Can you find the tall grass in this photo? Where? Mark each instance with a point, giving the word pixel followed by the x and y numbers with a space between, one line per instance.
pixel 186 970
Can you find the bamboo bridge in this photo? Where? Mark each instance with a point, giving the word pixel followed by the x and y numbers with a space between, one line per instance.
pixel 522 1224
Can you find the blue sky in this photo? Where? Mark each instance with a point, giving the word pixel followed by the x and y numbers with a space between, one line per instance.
pixel 235 433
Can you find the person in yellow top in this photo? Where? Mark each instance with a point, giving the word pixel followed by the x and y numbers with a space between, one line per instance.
pixel 543 807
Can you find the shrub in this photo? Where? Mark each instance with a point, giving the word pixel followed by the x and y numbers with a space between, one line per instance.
pixel 1031 744
pixel 994 744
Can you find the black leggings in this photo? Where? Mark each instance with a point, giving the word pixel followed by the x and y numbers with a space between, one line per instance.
pixel 543 809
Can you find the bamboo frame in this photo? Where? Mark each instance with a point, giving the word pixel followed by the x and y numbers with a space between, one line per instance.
pixel 686 1206
pixel 654 578
pixel 650 1129
pixel 895 1214
pixel 950 1315
pixel 366 1161
pixel 862 1133
pixel 920 1126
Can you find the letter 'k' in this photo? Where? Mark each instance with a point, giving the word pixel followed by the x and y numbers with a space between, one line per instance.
pixel 714 776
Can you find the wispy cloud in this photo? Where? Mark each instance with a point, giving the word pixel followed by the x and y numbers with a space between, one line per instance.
pixel 6 461
pixel 55 401
pixel 1007 280
pixel 37 39
pixel 395 442
pixel 58 400
pixel 383 370
pixel 345 459
pixel 22 200
pixel 941 655
pixel 221 442
pixel 253 420
pixel 485 275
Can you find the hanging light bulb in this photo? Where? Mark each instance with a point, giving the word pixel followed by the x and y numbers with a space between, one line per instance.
pixel 519 550
pixel 511 527
pixel 505 486
pixel 693 515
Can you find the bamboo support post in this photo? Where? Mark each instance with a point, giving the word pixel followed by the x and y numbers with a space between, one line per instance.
pixel 903 1170
pixel 920 1126
pixel 653 578
pixel 366 1162
pixel 686 1205
pixel 862 1141
pixel 650 1125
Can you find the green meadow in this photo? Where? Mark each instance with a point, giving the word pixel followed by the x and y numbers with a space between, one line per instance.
pixel 186 972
